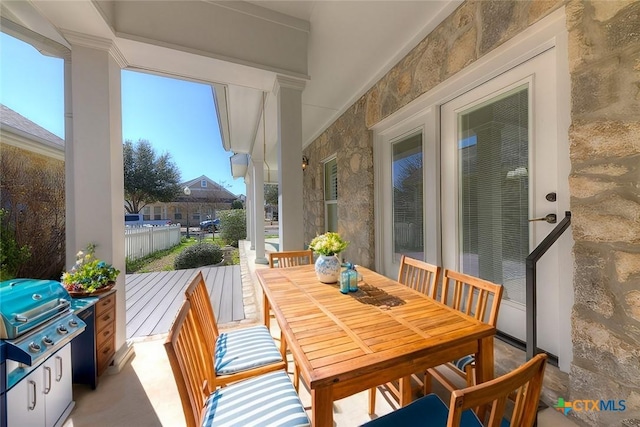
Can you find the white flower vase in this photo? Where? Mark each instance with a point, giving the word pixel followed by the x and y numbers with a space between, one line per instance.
pixel 328 268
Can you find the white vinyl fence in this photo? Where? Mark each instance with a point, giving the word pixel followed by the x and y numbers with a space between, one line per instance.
pixel 142 241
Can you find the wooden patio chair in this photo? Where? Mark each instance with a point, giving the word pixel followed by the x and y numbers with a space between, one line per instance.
pixel 419 275
pixel 286 259
pixel 474 297
pixel 268 399
pixel 238 354
pixel 422 277
pixel 467 406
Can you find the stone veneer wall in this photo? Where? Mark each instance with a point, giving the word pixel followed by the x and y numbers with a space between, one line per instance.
pixel 604 56
pixel 474 29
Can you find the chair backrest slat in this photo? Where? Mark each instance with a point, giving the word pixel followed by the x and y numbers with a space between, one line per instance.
pixel 419 275
pixel 526 381
pixel 472 296
pixel 190 361
pixel 198 296
pixel 285 259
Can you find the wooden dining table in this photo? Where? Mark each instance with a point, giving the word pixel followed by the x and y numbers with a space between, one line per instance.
pixel 347 343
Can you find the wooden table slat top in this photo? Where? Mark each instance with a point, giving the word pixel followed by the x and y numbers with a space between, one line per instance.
pixel 347 343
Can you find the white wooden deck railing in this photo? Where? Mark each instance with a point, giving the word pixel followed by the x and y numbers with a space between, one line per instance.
pixel 142 241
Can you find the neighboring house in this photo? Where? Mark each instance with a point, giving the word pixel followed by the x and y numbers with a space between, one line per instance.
pixel 32 191
pixel 206 198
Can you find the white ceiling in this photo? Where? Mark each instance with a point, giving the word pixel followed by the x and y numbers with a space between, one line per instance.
pixel 349 46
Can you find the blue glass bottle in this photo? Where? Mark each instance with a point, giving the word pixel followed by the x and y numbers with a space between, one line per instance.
pixel 348 279
pixel 353 283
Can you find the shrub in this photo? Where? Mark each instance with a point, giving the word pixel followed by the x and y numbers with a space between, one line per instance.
pixel 198 255
pixel 12 255
pixel 33 198
pixel 233 226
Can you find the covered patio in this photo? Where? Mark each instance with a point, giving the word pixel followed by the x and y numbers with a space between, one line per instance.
pixel 144 392
pixel 357 87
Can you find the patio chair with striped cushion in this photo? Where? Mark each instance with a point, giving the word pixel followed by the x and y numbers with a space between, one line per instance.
pixel 239 354
pixel 472 296
pixel 268 399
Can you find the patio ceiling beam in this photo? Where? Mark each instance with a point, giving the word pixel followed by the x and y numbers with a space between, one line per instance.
pixel 232 31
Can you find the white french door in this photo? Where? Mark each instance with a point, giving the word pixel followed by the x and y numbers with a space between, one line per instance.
pixel 499 160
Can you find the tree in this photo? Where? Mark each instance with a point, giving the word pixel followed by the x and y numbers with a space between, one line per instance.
pixel 237 204
pixel 233 226
pixel 271 194
pixel 148 178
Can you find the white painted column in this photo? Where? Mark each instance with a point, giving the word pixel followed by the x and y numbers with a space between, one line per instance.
pixel 94 162
pixel 257 166
pixel 249 210
pixel 290 221
pixel 70 230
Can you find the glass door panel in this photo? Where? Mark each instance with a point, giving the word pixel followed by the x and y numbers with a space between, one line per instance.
pixel 493 157
pixel 407 199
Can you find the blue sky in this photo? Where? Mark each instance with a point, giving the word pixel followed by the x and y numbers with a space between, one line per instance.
pixel 176 116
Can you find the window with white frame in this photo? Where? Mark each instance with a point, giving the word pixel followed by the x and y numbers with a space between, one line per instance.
pixel 331 194
pixel 203 183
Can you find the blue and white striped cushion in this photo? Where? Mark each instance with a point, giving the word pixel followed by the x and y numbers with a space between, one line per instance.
pixel 237 351
pixel 267 400
pixel 462 363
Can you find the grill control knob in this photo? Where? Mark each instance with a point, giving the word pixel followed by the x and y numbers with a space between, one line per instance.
pixel 73 323
pixel 47 341
pixel 61 329
pixel 34 347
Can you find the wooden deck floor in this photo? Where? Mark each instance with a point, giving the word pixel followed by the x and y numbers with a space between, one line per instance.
pixel 153 299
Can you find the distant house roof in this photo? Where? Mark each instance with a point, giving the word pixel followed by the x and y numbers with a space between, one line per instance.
pixel 10 118
pixel 21 132
pixel 211 187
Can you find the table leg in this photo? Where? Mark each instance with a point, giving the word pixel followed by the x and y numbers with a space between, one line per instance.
pixel 322 407
pixel 484 360
pixel 484 367
pixel 406 396
pixel 266 307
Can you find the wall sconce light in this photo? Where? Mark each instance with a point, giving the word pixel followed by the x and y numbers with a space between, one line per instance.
pixel 305 162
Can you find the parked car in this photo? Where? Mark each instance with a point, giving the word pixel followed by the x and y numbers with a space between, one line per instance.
pixel 137 220
pixel 210 225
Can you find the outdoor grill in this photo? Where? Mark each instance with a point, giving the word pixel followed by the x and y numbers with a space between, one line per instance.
pixel 36 322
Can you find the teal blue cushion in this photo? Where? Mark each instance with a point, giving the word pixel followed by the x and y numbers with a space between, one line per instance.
pixel 429 410
pixel 463 362
pixel 267 400
pixel 244 349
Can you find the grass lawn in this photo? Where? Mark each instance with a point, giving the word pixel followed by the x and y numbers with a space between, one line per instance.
pixel 163 260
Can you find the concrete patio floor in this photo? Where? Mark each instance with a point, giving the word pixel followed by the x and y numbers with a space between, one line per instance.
pixel 144 392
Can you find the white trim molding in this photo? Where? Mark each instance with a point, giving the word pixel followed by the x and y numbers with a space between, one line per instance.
pixel 32 143
pixel 99 43
pixel 288 83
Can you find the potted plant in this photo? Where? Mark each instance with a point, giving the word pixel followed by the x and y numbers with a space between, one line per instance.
pixel 328 246
pixel 89 275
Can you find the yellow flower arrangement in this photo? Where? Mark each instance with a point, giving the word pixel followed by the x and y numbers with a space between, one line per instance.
pixel 329 243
